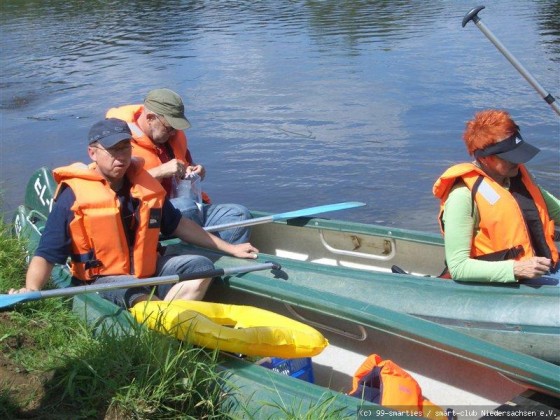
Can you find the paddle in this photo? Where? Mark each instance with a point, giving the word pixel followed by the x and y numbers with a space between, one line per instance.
pixel 7 301
pixel 42 181
pixel 472 15
pixel 310 211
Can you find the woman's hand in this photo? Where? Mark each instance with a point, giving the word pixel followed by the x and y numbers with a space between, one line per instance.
pixel 532 268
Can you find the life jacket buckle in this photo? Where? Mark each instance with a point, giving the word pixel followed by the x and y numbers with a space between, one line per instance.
pixel 93 264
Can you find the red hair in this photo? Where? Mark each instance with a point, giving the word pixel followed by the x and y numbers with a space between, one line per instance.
pixel 488 127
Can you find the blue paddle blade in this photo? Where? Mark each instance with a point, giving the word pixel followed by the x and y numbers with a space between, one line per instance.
pixel 7 301
pixel 310 211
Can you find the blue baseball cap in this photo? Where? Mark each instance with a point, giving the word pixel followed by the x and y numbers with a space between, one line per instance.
pixel 109 132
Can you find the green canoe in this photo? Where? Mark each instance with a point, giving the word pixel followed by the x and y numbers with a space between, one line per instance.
pixel 520 317
pixel 348 304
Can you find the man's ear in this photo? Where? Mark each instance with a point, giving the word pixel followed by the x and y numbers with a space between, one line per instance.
pixel 91 153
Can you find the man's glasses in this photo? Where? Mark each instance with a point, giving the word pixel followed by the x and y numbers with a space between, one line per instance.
pixel 119 150
pixel 168 129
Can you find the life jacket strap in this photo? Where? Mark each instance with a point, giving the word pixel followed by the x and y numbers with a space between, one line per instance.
pixel 88 259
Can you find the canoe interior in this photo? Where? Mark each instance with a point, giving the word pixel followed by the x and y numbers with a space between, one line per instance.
pixel 349 244
pixel 251 388
pixel 445 379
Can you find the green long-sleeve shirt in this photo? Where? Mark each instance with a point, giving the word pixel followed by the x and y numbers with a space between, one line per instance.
pixel 460 227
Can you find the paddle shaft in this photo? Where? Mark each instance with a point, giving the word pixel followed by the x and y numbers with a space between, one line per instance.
pixel 549 99
pixel 288 215
pixel 9 300
pixel 241 223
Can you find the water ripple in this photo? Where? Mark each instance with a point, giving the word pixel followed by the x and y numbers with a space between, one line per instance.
pixel 291 101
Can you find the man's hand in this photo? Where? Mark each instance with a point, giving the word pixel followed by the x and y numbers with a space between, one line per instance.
pixel 168 169
pixel 245 250
pixel 37 276
pixel 191 232
pixel 178 169
pixel 22 290
pixel 196 169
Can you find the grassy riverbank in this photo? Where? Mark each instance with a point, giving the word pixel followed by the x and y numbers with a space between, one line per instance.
pixel 51 366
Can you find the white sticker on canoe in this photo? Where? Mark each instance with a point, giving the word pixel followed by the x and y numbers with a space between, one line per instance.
pixel 486 191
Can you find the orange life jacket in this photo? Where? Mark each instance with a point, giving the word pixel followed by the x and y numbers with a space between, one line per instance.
pixel 144 147
pixel 385 383
pixel 503 226
pixel 99 243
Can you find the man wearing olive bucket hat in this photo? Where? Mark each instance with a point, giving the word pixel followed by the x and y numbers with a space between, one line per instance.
pixel 498 224
pixel 158 137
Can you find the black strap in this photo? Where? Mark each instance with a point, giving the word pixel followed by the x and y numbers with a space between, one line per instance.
pixel 503 255
pixel 531 216
pixel 88 259
pixel 474 190
pixel 370 387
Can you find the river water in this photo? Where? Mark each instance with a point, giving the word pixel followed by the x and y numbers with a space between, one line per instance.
pixel 293 103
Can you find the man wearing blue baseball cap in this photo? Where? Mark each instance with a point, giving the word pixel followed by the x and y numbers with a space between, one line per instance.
pixel 107 218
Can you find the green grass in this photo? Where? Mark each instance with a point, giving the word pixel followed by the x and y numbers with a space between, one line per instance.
pixel 138 375
pixel 12 258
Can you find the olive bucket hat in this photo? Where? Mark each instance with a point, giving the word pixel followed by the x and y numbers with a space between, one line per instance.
pixel 169 104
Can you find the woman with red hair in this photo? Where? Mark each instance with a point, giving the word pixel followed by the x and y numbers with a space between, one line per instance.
pixel 498 224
